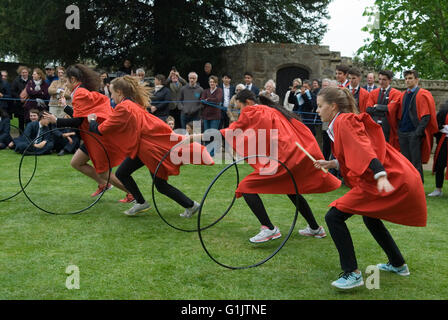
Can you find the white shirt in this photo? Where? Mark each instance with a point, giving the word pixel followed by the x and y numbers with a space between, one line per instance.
pixel 330 130
pixel 226 91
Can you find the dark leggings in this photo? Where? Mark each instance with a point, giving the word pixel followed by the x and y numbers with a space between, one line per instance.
pixel 256 205
pixel 129 166
pixel 441 165
pixel 342 239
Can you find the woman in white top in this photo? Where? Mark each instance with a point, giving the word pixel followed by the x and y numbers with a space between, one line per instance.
pixel 296 83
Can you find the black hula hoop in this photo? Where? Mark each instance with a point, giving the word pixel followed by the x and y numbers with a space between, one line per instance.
pixel 157 209
pixel 69 213
pixel 34 171
pixel 287 236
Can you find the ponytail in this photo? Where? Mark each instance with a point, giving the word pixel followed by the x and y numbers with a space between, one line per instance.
pixel 133 89
pixel 341 97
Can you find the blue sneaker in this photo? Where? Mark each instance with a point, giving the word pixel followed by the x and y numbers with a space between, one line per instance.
pixel 402 271
pixel 348 280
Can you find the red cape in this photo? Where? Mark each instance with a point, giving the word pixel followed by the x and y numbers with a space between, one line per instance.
pixel 394 96
pixel 425 105
pixel 269 177
pixel 136 132
pixel 363 99
pixel 439 147
pixel 85 103
pixel 359 140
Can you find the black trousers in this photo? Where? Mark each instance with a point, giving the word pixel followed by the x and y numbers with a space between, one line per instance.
pixel 440 165
pixel 410 147
pixel 129 166
pixel 256 205
pixel 342 239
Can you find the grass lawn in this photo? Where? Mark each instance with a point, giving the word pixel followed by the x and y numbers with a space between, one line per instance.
pixel 143 258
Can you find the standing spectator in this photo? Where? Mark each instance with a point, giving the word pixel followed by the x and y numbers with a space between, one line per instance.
pixel 175 83
pixel 211 114
pixel 316 87
pixel 269 91
pixel 57 89
pixel 4 81
pixel 370 83
pixel 17 87
pixel 326 142
pixel 5 93
pixel 441 154
pixel 37 91
pixel 160 101
pixel 342 76
pixel 233 111
pixel 141 75
pixel 5 136
pixel 105 84
pixel 248 80
pixel 303 101
pixel 360 94
pixel 204 76
pixel 296 83
pixel 4 74
pixel 417 123
pixel 51 74
pixel 190 104
pixel 228 91
pixel 127 68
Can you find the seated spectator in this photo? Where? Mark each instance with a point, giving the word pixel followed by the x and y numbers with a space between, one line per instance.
pixel 233 111
pixel 160 101
pixel 37 90
pixel 170 121
pixel 66 141
pixel 269 91
pixel 57 89
pixel 35 129
pixel 5 136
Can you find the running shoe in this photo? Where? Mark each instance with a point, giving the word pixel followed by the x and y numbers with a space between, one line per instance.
pixel 101 189
pixel 138 208
pixel 128 199
pixel 348 280
pixel 266 234
pixel 308 232
pixel 189 212
pixel 402 271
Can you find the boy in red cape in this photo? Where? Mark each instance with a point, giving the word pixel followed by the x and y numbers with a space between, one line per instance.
pixel 273 131
pixel 360 94
pixel 440 156
pixel 381 106
pixel 384 185
pixel 416 122
pixel 145 140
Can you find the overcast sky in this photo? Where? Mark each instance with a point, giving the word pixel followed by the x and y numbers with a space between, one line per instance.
pixel 344 27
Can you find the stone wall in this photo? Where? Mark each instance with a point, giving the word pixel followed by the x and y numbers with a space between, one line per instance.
pixel 265 60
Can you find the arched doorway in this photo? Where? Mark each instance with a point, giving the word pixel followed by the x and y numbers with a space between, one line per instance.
pixel 285 76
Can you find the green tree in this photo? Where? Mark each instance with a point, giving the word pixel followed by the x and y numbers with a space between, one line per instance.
pixel 408 34
pixel 154 33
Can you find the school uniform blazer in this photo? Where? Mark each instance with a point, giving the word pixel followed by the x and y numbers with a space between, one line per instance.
pixel 5 129
pixel 442 117
pixel 422 104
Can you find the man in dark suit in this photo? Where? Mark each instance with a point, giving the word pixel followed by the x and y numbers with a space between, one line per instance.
pixel 370 83
pixel 248 82
pixel 204 76
pixel 228 91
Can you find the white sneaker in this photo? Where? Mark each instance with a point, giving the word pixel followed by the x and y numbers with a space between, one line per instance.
pixel 138 208
pixel 266 234
pixel 189 212
pixel 435 193
pixel 308 232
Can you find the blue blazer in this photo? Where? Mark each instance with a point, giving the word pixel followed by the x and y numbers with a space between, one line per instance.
pixel 232 91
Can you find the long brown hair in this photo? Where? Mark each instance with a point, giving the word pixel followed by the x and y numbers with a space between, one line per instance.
pixel 88 77
pixel 131 88
pixel 341 97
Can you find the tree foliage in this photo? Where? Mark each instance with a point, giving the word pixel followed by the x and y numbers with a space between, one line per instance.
pixel 409 34
pixel 154 33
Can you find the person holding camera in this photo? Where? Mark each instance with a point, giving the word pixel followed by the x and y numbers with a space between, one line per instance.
pixel 57 89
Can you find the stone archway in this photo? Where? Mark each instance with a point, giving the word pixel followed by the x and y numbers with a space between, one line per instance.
pixel 285 76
